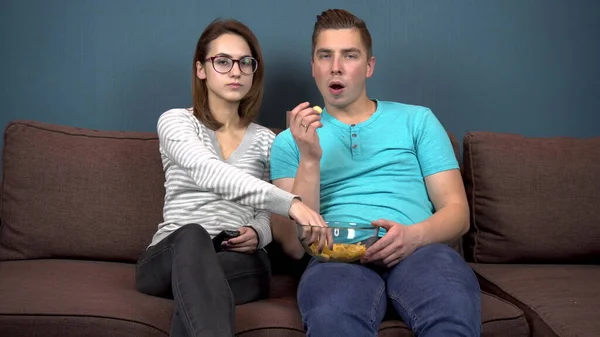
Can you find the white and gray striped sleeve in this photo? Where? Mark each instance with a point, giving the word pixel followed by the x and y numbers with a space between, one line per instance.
pixel 183 145
pixel 262 219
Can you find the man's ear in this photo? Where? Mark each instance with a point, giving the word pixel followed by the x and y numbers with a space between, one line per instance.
pixel 371 66
pixel 312 66
pixel 200 71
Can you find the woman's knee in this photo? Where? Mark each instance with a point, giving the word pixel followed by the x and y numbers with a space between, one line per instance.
pixel 191 233
pixel 188 242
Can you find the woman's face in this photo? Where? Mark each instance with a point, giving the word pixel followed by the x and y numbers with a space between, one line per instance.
pixel 228 69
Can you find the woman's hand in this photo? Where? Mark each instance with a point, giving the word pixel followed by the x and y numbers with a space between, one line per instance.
pixel 315 230
pixel 246 242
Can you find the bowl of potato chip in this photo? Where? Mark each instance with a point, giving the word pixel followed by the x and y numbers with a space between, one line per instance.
pixel 338 242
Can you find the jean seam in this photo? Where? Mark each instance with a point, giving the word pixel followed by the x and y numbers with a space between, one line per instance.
pixel 254 272
pixel 377 303
pixel 180 299
pixel 412 315
pixel 152 255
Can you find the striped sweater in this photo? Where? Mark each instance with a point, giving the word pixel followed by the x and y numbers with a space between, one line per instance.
pixel 203 188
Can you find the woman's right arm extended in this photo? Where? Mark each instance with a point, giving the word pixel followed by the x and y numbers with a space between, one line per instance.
pixel 182 145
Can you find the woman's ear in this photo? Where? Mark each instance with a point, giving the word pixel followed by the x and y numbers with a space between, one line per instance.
pixel 200 71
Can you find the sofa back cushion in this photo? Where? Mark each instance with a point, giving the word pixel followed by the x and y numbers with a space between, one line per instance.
pixel 78 193
pixel 71 192
pixel 532 199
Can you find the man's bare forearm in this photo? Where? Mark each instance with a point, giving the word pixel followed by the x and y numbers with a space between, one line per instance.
pixel 307 183
pixel 444 226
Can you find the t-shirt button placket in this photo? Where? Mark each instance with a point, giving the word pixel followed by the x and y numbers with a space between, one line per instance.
pixel 354 141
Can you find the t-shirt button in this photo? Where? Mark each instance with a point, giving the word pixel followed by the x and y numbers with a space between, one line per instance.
pixel 354 146
pixel 354 135
pixel 353 125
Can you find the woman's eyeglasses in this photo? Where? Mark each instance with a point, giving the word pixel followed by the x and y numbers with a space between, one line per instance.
pixel 224 64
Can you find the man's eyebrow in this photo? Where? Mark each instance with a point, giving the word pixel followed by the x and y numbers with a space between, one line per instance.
pixel 345 50
pixel 351 50
pixel 323 50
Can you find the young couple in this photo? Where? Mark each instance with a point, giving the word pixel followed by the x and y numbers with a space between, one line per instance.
pixel 362 160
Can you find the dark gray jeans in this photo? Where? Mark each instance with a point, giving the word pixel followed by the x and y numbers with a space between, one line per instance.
pixel 205 285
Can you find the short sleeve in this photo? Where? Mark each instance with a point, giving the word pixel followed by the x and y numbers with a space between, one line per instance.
pixel 284 157
pixel 433 146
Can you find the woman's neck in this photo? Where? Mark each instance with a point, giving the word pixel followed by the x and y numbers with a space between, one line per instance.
pixel 225 113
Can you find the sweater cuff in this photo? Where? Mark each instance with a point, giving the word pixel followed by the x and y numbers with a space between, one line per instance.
pixel 264 236
pixel 279 201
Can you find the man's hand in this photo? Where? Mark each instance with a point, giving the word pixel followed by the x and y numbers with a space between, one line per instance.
pixel 304 122
pixel 246 242
pixel 399 242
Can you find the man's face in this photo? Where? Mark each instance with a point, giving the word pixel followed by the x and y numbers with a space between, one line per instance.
pixel 340 66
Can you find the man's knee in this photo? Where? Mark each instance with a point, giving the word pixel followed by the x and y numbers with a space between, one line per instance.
pixel 440 253
pixel 440 281
pixel 331 292
pixel 343 315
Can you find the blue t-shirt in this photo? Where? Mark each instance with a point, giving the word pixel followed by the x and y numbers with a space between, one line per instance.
pixel 375 169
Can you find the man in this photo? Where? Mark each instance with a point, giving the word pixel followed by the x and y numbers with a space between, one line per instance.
pixel 388 164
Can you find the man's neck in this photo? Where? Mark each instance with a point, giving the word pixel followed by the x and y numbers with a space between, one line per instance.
pixel 354 113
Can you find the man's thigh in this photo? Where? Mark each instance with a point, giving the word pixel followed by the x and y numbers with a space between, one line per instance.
pixel 429 285
pixel 330 288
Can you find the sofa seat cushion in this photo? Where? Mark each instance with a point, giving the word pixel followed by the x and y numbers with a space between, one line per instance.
pixel 77 298
pixel 499 318
pixel 84 298
pixel 559 300
pixel 272 317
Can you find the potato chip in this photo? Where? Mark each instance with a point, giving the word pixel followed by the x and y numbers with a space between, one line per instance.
pixel 341 251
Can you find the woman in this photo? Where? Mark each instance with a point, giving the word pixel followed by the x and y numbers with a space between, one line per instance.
pixel 216 168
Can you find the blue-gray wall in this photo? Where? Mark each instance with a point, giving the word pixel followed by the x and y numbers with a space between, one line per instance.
pixel 521 66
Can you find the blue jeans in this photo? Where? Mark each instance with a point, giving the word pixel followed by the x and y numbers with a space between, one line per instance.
pixel 433 290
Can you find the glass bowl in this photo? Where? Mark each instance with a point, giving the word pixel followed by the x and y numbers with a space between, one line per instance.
pixel 350 240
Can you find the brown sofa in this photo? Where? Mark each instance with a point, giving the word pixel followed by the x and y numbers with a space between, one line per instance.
pixel 79 206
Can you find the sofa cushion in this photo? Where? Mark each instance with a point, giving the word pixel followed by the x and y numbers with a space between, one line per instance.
pixel 78 193
pixel 77 298
pixel 532 199
pixel 559 300
pixel 88 298
pixel 499 318
pixel 272 317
